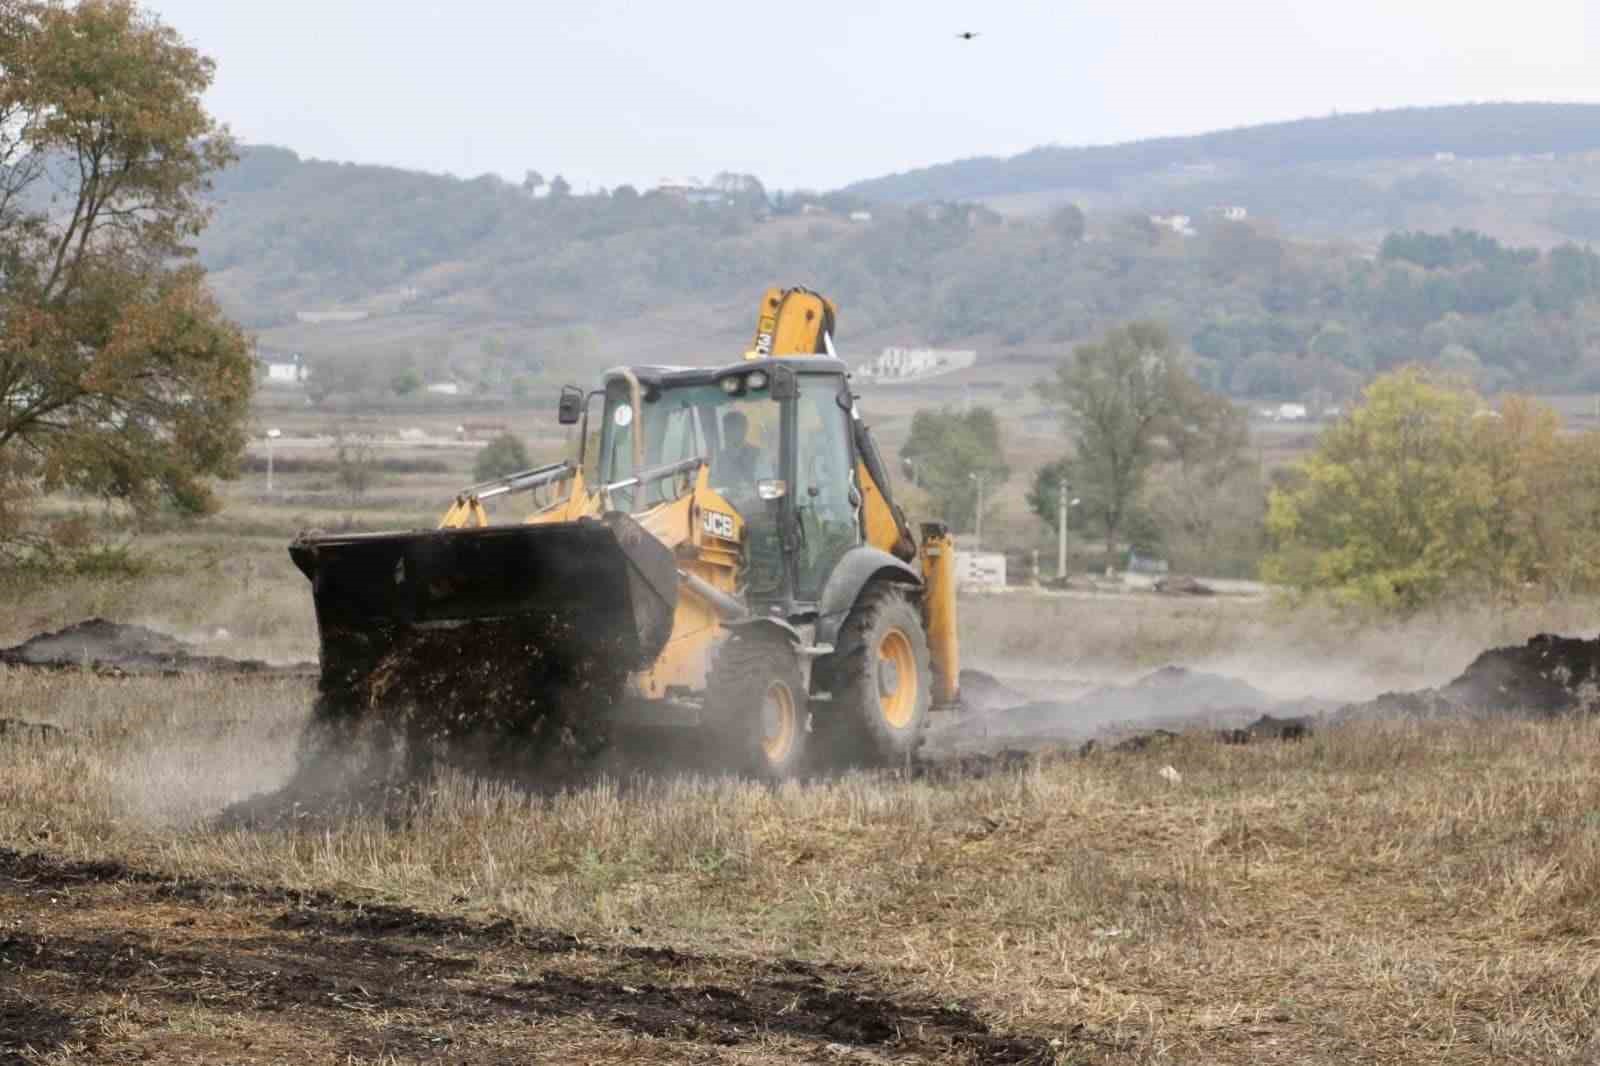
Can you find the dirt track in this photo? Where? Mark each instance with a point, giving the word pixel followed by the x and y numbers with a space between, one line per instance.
pixel 121 964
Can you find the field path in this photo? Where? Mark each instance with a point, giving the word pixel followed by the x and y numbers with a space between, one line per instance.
pixel 102 963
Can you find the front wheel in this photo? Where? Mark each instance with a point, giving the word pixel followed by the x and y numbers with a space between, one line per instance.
pixel 758 706
pixel 882 683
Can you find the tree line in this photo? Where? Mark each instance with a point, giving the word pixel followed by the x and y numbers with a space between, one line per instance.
pixel 1424 492
pixel 1269 317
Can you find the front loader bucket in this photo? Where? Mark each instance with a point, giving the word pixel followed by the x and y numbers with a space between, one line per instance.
pixel 492 630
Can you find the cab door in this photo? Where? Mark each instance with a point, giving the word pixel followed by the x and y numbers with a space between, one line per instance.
pixel 826 500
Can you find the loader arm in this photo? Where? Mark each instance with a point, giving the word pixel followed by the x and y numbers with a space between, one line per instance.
pixel 799 322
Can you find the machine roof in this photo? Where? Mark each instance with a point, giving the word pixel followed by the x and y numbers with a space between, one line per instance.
pixel 678 376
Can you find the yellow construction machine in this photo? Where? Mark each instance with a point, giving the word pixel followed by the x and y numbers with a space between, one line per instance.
pixel 724 552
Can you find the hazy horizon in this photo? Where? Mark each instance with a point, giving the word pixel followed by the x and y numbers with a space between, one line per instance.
pixel 615 93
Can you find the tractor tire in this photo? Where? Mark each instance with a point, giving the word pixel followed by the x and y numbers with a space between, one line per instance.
pixel 757 705
pixel 882 683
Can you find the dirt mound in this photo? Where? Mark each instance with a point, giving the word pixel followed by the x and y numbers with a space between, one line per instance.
pixel 16 727
pixel 998 712
pixel 116 648
pixel 982 691
pixel 1172 692
pixel 1547 677
pixel 1182 585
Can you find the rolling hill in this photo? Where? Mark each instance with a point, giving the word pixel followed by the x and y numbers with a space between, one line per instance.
pixel 1468 131
pixel 381 276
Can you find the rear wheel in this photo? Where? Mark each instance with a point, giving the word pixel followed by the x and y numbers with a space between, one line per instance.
pixel 882 682
pixel 756 699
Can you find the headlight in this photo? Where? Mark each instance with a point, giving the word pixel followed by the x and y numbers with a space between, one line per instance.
pixel 756 379
pixel 730 385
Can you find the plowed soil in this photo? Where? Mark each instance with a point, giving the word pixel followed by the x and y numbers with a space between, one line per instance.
pixel 115 964
pixel 117 648
pixel 1547 677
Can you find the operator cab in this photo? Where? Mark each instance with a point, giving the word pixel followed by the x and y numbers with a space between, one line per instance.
pixel 776 434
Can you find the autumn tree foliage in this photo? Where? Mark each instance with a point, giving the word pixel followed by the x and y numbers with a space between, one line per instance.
pixel 1424 493
pixel 119 376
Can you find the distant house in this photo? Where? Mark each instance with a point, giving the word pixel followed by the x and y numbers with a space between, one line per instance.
pixel 861 216
pixel 973 215
pixel 1178 224
pixel 1235 213
pixel 481 430
pixel 692 192
pixel 1444 157
pixel 319 318
pixel 1290 412
pixel 290 371
pixel 908 364
pixel 445 388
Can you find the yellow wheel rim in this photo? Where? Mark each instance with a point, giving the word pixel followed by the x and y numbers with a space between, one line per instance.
pixel 897 679
pixel 780 721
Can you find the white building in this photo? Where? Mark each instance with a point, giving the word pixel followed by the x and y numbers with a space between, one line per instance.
pixel 908 364
pixel 445 388
pixel 978 569
pixel 320 318
pixel 286 372
pixel 861 216
pixel 1178 224
pixel 1290 412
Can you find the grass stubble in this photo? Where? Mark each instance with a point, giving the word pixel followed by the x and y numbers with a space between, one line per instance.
pixel 1382 892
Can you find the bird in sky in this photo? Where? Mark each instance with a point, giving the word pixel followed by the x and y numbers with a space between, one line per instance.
pixel 968 35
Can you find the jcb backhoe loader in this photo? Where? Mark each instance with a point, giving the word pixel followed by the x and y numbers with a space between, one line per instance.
pixel 730 558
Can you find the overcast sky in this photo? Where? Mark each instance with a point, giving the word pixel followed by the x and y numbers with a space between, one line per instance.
pixel 822 93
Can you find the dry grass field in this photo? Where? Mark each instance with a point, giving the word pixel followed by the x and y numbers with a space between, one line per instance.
pixel 1379 893
pixel 1391 892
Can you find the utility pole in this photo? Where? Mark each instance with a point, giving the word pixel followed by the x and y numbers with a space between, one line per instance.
pixel 272 435
pixel 1061 531
pixel 977 535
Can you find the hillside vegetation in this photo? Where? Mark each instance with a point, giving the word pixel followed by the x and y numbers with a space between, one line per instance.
pixel 1472 130
pixel 479 282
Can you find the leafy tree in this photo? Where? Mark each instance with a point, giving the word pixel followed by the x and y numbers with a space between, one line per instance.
pixel 1069 223
pixel 949 452
pixel 406 383
pixel 1395 507
pixel 119 376
pixel 560 188
pixel 532 182
pixel 355 463
pixel 1208 491
pixel 503 455
pixel 1087 518
pixel 1117 395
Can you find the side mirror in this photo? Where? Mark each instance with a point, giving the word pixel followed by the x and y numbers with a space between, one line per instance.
pixel 785 386
pixel 570 408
